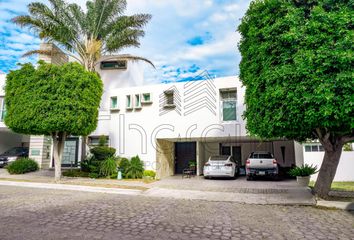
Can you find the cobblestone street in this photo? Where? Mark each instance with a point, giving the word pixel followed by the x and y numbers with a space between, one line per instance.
pixel 54 214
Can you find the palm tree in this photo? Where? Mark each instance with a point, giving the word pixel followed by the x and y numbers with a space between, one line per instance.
pixel 85 36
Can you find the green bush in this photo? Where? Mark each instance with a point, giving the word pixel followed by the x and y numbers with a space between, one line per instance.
pixel 102 141
pixel 93 175
pixel 149 173
pixel 124 165
pixel 135 169
pixel 75 173
pixel 303 171
pixel 22 165
pixel 101 153
pixel 108 167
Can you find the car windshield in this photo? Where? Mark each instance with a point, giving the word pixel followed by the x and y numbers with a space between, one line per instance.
pixel 14 151
pixel 219 158
pixel 261 155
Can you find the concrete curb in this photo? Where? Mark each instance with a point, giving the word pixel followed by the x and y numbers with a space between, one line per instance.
pixel 348 206
pixel 294 198
pixel 71 187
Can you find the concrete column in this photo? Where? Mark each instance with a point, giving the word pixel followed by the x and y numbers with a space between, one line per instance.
pixel 165 159
pixel 299 153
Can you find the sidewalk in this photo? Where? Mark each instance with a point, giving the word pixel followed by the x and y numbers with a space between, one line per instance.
pixel 285 192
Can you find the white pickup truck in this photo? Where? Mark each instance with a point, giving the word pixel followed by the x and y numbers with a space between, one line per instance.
pixel 261 164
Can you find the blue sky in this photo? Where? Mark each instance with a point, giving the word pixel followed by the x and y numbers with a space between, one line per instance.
pixel 184 37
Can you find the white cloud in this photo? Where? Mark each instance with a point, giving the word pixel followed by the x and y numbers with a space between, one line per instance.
pixel 174 23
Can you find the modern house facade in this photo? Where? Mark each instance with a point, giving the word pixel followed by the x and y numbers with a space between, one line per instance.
pixel 167 125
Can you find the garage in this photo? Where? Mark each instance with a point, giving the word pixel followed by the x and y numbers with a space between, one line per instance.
pixel 9 140
pixel 170 162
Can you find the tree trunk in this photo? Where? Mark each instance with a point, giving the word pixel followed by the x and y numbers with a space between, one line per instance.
pixel 58 148
pixel 328 169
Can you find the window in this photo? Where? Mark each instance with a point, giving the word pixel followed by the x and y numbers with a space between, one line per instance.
pixel 107 65
pixel 137 101
pixel 95 140
pixel 307 148
pixel 129 104
pixel 114 103
pixel 228 104
pixel 314 148
pixel 2 109
pixel 261 155
pixel 146 98
pixel 169 98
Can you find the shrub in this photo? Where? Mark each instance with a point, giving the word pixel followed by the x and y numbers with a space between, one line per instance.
pixel 108 167
pixel 149 173
pixel 102 153
pixel 93 175
pixel 303 171
pixel 75 173
pixel 22 165
pixel 135 169
pixel 124 165
pixel 102 141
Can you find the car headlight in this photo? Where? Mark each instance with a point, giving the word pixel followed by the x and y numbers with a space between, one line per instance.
pixel 11 159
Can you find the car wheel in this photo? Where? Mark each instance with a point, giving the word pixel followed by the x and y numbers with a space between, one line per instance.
pixel 249 178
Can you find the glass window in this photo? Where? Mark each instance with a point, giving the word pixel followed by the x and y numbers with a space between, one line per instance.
pixel 314 148
pixel 114 64
pixel 228 104
pixel 146 97
pixel 95 140
pixel 137 101
pixel 307 148
pixel 321 148
pixel 169 98
pixel 129 101
pixel 114 103
pixel 2 109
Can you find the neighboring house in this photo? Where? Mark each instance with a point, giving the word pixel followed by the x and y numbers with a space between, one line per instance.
pixel 314 153
pixel 168 125
pixel 8 139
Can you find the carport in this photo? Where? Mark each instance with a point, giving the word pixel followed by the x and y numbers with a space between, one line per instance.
pixel 10 139
pixel 174 154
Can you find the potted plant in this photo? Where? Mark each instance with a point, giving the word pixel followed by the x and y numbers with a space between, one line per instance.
pixel 303 174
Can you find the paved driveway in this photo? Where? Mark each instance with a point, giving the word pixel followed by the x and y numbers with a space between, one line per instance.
pixel 47 214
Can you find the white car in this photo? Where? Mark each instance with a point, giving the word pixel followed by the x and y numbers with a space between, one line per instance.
pixel 261 164
pixel 220 166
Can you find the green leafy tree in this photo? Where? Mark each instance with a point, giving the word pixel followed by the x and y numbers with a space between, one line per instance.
pixel 52 100
pixel 85 36
pixel 297 66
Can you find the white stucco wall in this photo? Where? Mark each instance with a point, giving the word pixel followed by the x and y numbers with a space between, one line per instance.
pixel 345 170
pixel 135 131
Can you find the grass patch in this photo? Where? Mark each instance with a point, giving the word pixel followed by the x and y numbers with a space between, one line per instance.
pixel 339 186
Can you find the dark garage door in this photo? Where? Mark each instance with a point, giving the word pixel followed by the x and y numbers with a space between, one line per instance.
pixel 184 153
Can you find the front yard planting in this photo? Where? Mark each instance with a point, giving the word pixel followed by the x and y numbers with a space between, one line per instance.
pixel 22 165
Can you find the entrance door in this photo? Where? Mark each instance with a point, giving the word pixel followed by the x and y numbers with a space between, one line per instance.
pixel 184 153
pixel 70 154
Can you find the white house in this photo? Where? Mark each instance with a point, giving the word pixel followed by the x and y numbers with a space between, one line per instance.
pixel 167 125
